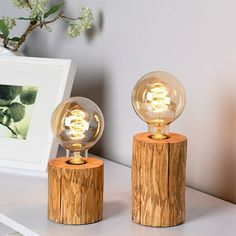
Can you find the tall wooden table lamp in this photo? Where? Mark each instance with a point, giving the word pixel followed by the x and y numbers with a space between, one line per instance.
pixel 159 157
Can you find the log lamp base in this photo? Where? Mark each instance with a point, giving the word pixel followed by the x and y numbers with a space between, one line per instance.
pixel 75 192
pixel 158 180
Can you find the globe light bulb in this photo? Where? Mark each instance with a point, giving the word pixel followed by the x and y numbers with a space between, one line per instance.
pixel 77 124
pixel 158 98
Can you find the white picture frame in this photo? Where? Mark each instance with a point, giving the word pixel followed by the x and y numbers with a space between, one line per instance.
pixel 53 81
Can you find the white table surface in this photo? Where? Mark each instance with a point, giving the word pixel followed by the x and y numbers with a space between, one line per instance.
pixel 23 207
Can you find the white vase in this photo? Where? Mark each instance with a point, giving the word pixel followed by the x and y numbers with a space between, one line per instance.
pixel 8 52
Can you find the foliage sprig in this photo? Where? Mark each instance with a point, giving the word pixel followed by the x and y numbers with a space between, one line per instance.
pixel 41 16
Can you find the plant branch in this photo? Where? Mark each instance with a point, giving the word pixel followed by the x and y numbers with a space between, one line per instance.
pixel 18 132
pixel 32 26
pixel 69 18
pixel 13 131
pixel 60 15
pixel 28 3
pixel 5 42
pixel 24 35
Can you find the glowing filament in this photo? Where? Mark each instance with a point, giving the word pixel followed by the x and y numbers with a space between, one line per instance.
pixel 158 96
pixel 77 124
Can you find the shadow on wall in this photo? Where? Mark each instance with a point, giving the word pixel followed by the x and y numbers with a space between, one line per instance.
pixel 91 83
pixel 227 154
pixel 91 33
pixel 212 137
pixel 36 49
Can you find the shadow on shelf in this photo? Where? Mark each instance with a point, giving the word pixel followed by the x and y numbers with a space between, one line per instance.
pixel 113 208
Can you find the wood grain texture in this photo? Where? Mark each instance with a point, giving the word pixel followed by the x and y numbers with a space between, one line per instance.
pixel 75 192
pixel 158 180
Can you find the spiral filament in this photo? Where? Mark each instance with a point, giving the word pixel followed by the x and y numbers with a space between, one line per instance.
pixel 158 96
pixel 77 124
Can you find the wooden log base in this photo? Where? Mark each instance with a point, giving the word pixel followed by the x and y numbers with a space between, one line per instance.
pixel 75 192
pixel 158 180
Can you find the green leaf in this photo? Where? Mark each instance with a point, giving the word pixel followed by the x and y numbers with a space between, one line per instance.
pixel 28 95
pixel 15 39
pixel 4 29
pixel 25 18
pixel 53 9
pixel 17 111
pixel 4 102
pixel 1 117
pixel 9 92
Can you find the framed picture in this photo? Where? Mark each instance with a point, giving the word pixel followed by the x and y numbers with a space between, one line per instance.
pixel 30 89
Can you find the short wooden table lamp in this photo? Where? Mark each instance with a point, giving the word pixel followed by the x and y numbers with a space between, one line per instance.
pixel 75 183
pixel 159 157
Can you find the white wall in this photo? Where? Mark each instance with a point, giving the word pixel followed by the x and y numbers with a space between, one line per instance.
pixel 194 40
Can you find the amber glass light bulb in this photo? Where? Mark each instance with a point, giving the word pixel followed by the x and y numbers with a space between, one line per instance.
pixel 158 98
pixel 77 124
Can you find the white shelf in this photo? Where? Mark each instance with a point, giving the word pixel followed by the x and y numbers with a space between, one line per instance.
pixel 6 231
pixel 23 207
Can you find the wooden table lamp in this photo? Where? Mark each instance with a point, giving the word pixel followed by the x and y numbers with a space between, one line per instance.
pixel 75 183
pixel 159 157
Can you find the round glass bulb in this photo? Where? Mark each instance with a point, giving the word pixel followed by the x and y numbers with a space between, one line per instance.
pixel 158 98
pixel 77 123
